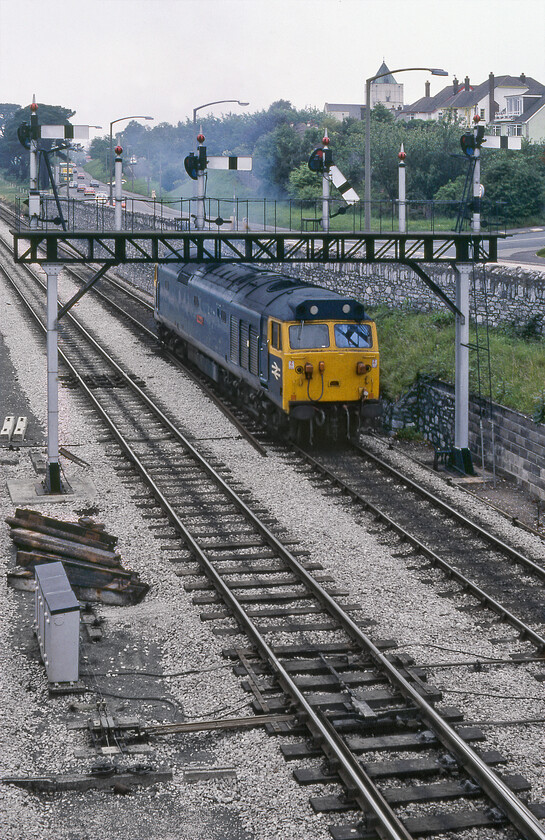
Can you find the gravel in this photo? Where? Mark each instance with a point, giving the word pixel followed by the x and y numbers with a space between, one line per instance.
pixel 164 633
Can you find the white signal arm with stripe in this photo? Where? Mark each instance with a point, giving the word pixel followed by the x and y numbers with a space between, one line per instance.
pixel 346 190
pixel 233 162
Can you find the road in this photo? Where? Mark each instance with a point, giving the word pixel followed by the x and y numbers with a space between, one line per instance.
pixel 521 247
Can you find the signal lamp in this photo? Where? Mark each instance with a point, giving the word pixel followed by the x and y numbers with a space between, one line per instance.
pixel 361 368
pixel 467 142
pixel 321 366
pixel 309 370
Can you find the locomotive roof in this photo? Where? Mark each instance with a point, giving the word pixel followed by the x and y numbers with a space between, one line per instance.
pixel 271 293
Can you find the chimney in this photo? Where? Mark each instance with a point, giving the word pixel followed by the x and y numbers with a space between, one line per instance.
pixel 455 84
pixel 427 89
pixel 491 103
pixel 466 83
pixel 522 77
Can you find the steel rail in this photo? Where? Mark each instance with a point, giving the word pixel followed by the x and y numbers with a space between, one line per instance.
pixel 391 827
pixel 460 517
pixel 406 536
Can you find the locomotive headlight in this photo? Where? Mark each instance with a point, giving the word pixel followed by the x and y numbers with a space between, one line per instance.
pixel 346 308
pixel 313 310
pixel 309 370
pixel 362 368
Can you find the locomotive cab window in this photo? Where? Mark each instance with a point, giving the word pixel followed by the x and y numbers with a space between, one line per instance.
pixel 309 336
pixel 276 336
pixel 353 335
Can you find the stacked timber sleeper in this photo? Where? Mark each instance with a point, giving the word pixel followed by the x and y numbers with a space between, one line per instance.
pixel 86 551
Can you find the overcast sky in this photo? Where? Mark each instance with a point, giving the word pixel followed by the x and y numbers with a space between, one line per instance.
pixel 110 58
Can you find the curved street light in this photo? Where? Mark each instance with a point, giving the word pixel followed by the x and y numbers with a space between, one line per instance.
pixel 216 102
pixel 120 119
pixel 367 198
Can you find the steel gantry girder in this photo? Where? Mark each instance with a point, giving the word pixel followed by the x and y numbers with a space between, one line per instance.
pixel 149 246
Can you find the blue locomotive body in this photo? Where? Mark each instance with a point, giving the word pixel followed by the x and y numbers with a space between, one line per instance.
pixel 235 323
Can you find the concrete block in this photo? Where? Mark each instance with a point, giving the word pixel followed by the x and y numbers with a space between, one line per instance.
pixel 20 429
pixel 7 429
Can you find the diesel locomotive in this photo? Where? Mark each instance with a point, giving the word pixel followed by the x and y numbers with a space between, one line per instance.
pixel 291 352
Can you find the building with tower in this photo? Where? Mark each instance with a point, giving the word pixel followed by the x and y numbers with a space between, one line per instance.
pixel 386 91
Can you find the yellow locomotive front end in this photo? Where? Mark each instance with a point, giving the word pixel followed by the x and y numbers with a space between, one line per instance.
pixel 330 372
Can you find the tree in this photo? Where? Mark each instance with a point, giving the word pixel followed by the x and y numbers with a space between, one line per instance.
pixel 7 111
pixel 99 149
pixel 14 158
pixel 276 155
pixel 304 184
pixel 518 180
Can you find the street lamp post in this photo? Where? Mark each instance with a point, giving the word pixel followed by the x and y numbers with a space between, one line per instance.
pixel 199 188
pixel 120 119
pixel 367 198
pixel 216 102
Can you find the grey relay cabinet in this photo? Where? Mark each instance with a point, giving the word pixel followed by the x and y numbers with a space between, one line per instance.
pixel 57 623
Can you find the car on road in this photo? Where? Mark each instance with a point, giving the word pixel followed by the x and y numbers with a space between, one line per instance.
pixel 81 187
pixel 81 176
pixel 95 184
pixel 101 197
pixel 89 191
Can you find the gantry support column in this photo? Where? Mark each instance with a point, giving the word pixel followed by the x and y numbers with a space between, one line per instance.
pixel 461 454
pixel 53 475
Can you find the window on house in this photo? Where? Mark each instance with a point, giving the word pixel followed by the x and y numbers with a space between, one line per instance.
pixel 514 105
pixel 482 113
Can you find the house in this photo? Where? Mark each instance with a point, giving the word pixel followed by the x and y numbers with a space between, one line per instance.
pixel 512 105
pixel 343 112
pixel 523 114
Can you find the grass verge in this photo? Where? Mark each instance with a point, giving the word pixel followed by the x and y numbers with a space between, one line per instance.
pixel 512 373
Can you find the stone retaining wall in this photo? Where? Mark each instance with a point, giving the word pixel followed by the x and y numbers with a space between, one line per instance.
pixel 510 295
pixel 512 443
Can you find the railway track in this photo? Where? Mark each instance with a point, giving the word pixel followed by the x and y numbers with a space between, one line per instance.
pixel 359 704
pixel 498 575
pixel 495 573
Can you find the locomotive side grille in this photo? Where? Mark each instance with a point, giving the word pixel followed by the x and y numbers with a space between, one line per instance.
pixel 234 352
pixel 254 352
pixel 244 345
